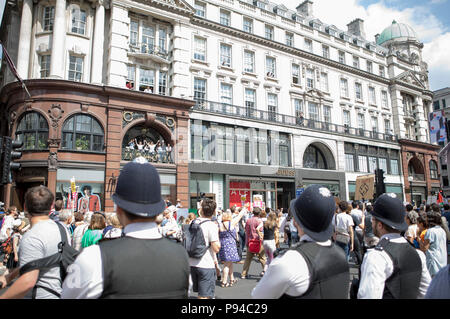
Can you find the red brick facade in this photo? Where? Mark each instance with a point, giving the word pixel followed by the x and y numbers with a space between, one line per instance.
pixel 116 110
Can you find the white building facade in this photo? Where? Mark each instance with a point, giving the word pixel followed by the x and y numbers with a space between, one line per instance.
pixel 284 100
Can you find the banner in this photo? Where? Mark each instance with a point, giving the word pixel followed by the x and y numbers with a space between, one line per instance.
pixel 364 187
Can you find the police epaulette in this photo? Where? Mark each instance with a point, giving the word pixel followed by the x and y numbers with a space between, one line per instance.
pixel 280 252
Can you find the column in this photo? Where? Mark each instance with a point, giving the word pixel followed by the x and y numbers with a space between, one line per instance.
pixel 58 41
pixel 26 23
pixel 97 55
pixel 181 159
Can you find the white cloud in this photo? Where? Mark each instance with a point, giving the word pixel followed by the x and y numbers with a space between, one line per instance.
pixel 431 31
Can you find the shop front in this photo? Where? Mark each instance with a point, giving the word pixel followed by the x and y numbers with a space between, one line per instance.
pixel 397 189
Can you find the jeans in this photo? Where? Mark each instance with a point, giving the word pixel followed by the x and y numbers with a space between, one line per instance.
pixel 345 247
pixel 294 237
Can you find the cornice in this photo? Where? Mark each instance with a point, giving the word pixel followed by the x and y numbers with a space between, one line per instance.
pixel 287 49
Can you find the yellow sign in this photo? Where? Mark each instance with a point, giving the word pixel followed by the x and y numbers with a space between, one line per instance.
pixel 364 187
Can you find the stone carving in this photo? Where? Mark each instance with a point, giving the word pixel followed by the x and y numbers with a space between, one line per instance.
pixel 55 115
pixel 53 142
pixel 414 58
pixel 53 161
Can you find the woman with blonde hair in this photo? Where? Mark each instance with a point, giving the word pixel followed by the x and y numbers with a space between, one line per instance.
pixel 229 242
pixel 269 245
pixel 113 229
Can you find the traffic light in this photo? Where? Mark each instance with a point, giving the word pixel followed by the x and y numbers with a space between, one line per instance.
pixel 9 155
pixel 379 182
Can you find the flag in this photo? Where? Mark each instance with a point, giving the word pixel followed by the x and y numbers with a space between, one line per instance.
pixel 13 69
pixel 440 199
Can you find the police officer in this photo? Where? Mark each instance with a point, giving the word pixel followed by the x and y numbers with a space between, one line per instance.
pixel 393 269
pixel 314 268
pixel 140 264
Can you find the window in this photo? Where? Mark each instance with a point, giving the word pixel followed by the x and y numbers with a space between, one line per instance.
pixel 284 143
pixel 298 106
pixel 387 127
pixel 295 74
pixel 44 63
pixel 436 105
pixel 369 67
pixel 324 81
pixel 289 39
pixel 374 124
pixel 75 68
pixel 361 121
pixel 344 87
pixel 382 164
pixel 313 111
pixel 394 167
pixel 310 78
pixel 346 116
pixel 349 163
pixel 200 9
pixel 272 105
pixel 314 158
pixel 199 90
pixel 147 80
pixel 356 62
pixel 358 91
pixel 249 61
pixel 148 38
pixel 269 32
pixel 248 25
pixel 225 55
pixel 308 45
pixel 261 5
pixel 48 18
pixel 131 76
pixel 162 83
pixel 362 164
pixel 372 97
pixel 271 63
pixel 78 21
pixel 384 99
pixel 32 130
pixel 225 17
pixel 433 170
pixel 250 101
pixel 342 57
pixel 226 94
pixel 327 114
pixel 134 29
pixel 82 132
pixel 326 51
pixel 444 105
pixel 199 49
pixel 372 164
pixel 381 68
pixel 162 40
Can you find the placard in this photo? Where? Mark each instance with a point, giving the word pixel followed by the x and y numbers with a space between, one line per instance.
pixel 364 187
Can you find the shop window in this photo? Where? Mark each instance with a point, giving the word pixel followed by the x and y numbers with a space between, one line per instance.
pixel 32 131
pixel 83 133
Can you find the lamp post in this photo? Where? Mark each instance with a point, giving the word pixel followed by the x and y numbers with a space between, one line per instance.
pixel 411 179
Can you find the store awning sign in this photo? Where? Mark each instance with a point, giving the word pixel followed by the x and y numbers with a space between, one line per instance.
pixel 364 187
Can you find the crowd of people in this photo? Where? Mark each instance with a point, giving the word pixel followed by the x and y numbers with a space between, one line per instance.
pixel 149 149
pixel 305 251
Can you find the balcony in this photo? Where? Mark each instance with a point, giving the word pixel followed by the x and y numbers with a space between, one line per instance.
pixel 417 177
pixel 149 51
pixel 272 117
pixel 164 156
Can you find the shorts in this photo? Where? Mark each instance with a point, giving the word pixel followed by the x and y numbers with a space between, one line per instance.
pixel 203 281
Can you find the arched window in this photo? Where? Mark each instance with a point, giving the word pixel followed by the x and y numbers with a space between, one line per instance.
pixel 83 133
pixel 32 131
pixel 433 170
pixel 314 158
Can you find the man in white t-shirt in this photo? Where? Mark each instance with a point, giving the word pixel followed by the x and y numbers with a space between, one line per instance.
pixel 7 226
pixel 343 228
pixel 203 271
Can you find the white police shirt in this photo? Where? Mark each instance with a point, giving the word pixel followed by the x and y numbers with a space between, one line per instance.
pixel 85 275
pixel 287 274
pixel 377 267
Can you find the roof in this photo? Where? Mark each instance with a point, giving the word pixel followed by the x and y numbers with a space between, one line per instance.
pixel 396 30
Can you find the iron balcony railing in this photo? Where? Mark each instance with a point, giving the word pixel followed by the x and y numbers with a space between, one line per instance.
pixel 267 116
pixel 417 177
pixel 153 157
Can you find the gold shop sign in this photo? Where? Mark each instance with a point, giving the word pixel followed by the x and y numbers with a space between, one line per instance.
pixel 285 172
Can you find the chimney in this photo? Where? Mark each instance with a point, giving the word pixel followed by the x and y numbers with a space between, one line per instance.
pixel 305 8
pixel 356 27
pixel 376 37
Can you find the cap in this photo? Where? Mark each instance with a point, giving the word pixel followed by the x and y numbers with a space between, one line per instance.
pixel 313 210
pixel 138 190
pixel 389 210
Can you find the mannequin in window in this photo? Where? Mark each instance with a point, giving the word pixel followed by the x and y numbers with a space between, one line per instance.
pixel 89 202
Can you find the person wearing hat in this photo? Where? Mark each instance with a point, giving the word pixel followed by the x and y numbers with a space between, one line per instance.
pixel 315 268
pixel 132 266
pixel 393 269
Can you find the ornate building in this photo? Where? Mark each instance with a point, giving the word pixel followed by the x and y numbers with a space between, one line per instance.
pixel 281 99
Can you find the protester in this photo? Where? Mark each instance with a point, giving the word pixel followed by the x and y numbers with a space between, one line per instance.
pixel 80 230
pixel 113 227
pixel 6 232
pixel 370 240
pixel 13 259
pixel 141 264
pixel 254 233
pixel 94 233
pixel 65 218
pixel 316 268
pixel 411 220
pixel 203 270
pixel 394 269
pixel 269 244
pixel 422 227
pixel 229 243
pixel 343 229
pixel 358 228
pixel 294 238
pixel 440 285
pixel 40 241
pixel 58 207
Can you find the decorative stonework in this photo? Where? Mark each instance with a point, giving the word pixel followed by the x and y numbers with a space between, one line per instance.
pixel 52 161
pixel 54 142
pixel 55 113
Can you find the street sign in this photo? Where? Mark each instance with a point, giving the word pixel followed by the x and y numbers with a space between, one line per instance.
pixel 298 192
pixel 364 187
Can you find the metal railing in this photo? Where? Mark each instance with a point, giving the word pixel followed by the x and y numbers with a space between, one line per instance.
pixel 148 48
pixel 417 177
pixel 250 113
pixel 153 157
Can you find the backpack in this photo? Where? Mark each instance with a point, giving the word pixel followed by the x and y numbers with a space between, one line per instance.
pixel 65 256
pixel 194 241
